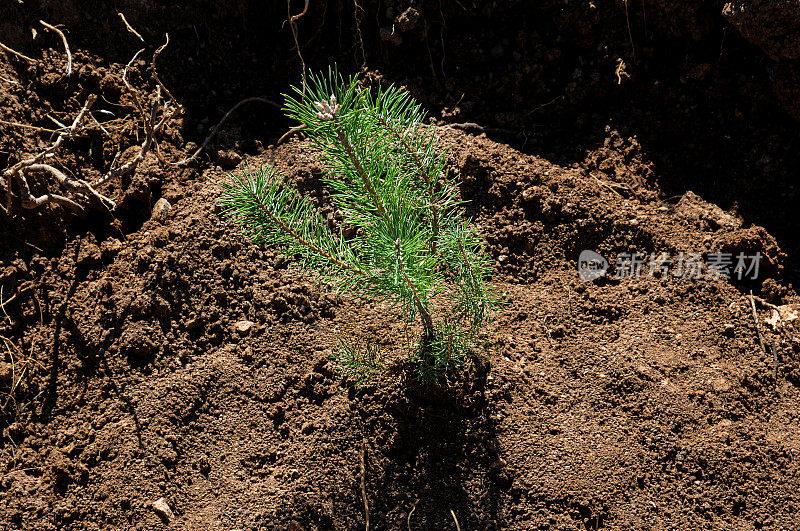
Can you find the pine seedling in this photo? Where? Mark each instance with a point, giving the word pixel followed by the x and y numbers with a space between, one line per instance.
pixel 403 236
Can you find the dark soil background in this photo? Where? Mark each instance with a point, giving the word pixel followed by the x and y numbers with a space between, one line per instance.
pixel 649 126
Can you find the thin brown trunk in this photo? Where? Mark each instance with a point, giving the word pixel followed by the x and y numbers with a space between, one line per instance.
pixel 348 148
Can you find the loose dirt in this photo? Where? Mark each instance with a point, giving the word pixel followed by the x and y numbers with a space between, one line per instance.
pixel 649 402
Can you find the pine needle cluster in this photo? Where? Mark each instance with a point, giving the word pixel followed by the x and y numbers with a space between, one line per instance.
pixel 404 237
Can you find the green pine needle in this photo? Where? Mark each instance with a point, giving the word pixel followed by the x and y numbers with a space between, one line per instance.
pixel 388 177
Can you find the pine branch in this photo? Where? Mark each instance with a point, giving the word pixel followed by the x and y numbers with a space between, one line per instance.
pixel 302 241
pixel 250 195
pixel 412 246
pixel 426 177
pixel 361 172
pixel 427 321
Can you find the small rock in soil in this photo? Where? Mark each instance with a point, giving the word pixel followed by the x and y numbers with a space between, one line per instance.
pixel 307 428
pixel 244 327
pixel 720 385
pixel 161 210
pixel 162 509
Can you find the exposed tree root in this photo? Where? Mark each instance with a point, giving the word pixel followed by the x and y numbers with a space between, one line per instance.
pixel 64 40
pixel 153 110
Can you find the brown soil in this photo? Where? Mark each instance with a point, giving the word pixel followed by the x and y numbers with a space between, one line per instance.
pixel 621 403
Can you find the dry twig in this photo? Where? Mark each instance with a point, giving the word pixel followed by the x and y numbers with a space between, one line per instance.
pixel 408 520
pixel 9 80
pixel 14 52
pixel 289 133
pixel 15 175
pixel 130 28
pixel 298 16
pixel 26 288
pixel 364 482
pixel 293 26
pixel 357 19
pixel 149 114
pixel 155 72
pixel 755 320
pixel 26 126
pixel 66 44
pixel 773 346
pixel 3 303
pixel 453 514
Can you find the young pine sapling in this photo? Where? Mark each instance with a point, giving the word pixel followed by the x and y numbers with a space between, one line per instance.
pixel 407 241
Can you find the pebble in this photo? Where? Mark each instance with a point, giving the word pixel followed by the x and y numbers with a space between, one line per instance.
pixel 161 210
pixel 244 327
pixel 161 507
pixel 529 194
pixel 110 248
